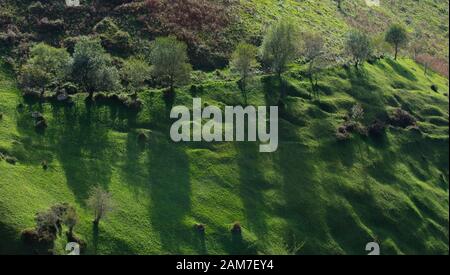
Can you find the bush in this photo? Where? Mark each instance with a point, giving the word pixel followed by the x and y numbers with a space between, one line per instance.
pixel 377 128
pixel 401 118
pixel 342 133
pixel 30 236
pixel 200 228
pixel 435 88
pixel 237 229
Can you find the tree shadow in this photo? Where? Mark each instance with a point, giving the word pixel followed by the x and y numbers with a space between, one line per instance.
pixel 252 184
pixel 81 143
pixel 170 192
pixel 302 201
pixel 401 70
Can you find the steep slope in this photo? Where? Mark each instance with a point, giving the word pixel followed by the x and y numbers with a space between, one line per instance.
pixel 315 195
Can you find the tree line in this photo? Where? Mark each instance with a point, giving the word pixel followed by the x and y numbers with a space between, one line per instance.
pixel 92 69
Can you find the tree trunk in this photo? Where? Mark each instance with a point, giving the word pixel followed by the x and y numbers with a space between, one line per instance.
pixel 396 52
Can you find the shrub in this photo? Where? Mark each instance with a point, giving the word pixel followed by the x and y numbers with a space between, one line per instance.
pixel 342 133
pixel 435 88
pixel 402 118
pixel 200 228
pixel 236 229
pixel 30 236
pixel 377 128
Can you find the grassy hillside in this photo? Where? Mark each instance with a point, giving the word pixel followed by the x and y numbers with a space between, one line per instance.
pixel 315 195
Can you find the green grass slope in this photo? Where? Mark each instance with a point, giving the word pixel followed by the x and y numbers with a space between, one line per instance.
pixel 315 195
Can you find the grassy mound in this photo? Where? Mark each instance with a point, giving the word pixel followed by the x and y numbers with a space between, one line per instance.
pixel 315 195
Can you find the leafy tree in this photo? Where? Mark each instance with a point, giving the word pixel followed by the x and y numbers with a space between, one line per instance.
pixel 135 72
pixel 46 65
pixel 170 62
pixel 243 61
pixel 313 48
pixel 358 46
pixel 397 36
pixel 92 67
pixel 100 202
pixel 280 46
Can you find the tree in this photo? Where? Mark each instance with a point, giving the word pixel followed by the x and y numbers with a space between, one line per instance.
pixel 46 65
pixel 280 46
pixel 135 72
pixel 417 44
pixel 243 61
pixel 92 67
pixel 313 48
pixel 397 37
pixel 170 62
pixel 358 46
pixel 70 219
pixel 100 202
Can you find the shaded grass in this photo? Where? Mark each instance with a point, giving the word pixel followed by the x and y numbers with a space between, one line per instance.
pixel 332 197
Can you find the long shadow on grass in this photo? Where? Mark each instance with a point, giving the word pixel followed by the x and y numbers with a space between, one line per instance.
pixel 302 197
pixel 82 146
pixel 401 70
pixel 170 192
pixel 252 185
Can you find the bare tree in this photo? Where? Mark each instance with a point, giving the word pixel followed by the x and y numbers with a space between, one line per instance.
pixel 100 202
pixel 70 219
